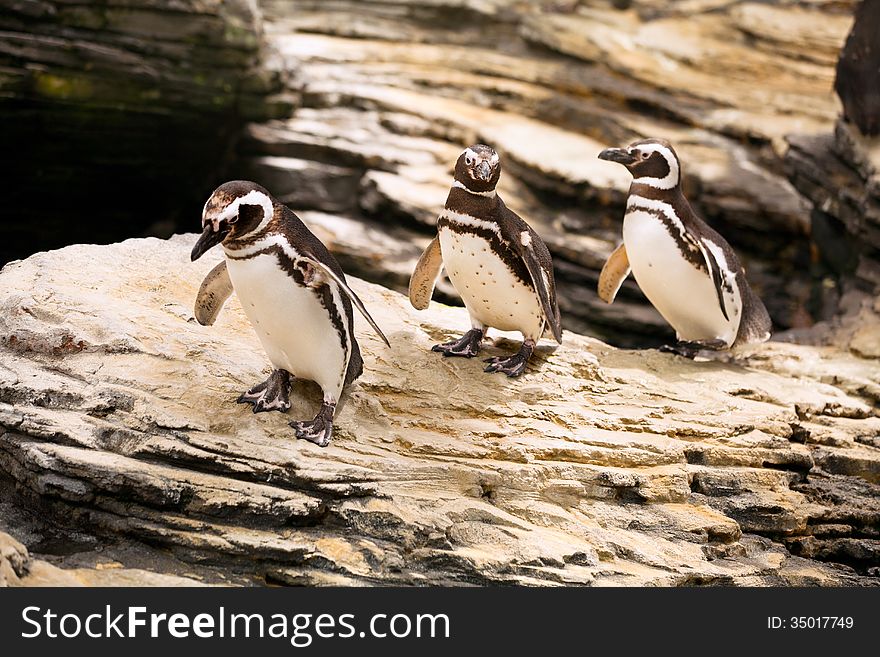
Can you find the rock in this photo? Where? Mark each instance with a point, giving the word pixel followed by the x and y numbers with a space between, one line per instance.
pixel 599 466
pixel 856 82
pixel 14 560
pixel 392 92
pixel 122 113
pixel 17 568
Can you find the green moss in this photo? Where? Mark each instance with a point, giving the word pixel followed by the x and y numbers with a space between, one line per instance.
pixel 58 87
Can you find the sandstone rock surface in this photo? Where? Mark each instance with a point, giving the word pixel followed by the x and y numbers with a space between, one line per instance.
pixel 388 92
pixel 599 466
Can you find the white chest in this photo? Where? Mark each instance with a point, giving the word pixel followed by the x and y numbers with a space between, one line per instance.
pixel 683 294
pixel 493 295
pixel 293 326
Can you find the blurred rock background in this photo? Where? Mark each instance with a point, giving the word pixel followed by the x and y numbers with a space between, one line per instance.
pixel 120 116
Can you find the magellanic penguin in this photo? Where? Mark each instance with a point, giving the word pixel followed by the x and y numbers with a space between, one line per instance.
pixel 293 292
pixel 496 262
pixel 686 269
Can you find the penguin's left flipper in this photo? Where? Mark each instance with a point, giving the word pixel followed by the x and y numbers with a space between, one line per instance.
pixel 424 276
pixel 213 293
pixel 719 269
pixel 614 272
pixel 355 300
pixel 536 256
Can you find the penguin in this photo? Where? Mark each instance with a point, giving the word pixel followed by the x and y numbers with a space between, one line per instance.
pixel 497 263
pixel 687 270
pixel 293 292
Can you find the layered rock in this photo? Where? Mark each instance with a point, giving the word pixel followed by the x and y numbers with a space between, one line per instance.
pixel 389 92
pixel 598 466
pixel 119 114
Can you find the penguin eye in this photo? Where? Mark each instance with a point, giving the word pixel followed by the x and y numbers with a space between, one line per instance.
pixel 468 160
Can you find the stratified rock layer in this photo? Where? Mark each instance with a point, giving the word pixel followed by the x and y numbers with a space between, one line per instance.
pixel 388 92
pixel 598 466
pixel 118 114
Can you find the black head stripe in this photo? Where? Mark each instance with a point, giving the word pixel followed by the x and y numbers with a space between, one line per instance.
pixel 655 166
pixel 249 217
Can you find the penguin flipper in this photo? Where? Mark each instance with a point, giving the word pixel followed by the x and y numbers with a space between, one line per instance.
pixel 424 276
pixel 614 272
pixel 536 257
pixel 720 272
pixel 213 293
pixel 355 300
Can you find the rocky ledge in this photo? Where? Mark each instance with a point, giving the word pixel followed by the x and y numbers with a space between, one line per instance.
pixel 388 92
pixel 599 466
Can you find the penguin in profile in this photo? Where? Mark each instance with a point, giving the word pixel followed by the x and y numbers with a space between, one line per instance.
pixel 686 270
pixel 293 292
pixel 497 263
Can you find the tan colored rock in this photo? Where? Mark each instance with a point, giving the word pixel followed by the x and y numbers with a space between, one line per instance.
pixel 598 466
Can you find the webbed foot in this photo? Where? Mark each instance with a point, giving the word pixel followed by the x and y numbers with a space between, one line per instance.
pixel 319 430
pixel 467 346
pixel 690 348
pixel 273 394
pixel 512 365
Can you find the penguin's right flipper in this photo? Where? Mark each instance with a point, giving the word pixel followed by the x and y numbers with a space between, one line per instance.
pixel 614 272
pixel 215 290
pixel 355 299
pixel 424 276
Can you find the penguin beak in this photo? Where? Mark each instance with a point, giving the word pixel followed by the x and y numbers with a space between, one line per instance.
pixel 209 238
pixel 483 171
pixel 619 155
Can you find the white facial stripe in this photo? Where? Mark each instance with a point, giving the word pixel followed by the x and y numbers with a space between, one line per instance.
pixel 461 185
pixel 493 160
pixel 468 220
pixel 671 179
pixel 253 197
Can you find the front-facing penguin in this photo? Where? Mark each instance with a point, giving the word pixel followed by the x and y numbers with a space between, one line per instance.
pixel 496 262
pixel 293 292
pixel 686 269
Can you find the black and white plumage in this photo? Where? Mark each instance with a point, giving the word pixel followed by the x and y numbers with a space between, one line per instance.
pixel 293 292
pixel 497 263
pixel 685 268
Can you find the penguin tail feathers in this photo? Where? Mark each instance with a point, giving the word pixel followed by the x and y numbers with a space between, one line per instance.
pixel 755 325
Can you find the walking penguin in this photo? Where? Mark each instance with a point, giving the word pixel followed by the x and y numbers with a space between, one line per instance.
pixel 497 263
pixel 686 269
pixel 293 292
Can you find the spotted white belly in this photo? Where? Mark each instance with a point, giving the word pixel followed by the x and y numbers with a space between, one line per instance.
pixel 684 295
pixel 491 293
pixel 293 326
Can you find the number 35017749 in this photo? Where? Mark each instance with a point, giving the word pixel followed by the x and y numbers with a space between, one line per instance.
pixel 810 623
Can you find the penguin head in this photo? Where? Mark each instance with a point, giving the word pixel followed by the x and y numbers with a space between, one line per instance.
pixel 235 210
pixel 478 168
pixel 652 162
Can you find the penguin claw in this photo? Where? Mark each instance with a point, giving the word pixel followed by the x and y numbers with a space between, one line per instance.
pixel 270 395
pixel 511 366
pixel 467 346
pixel 319 430
pixel 691 349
